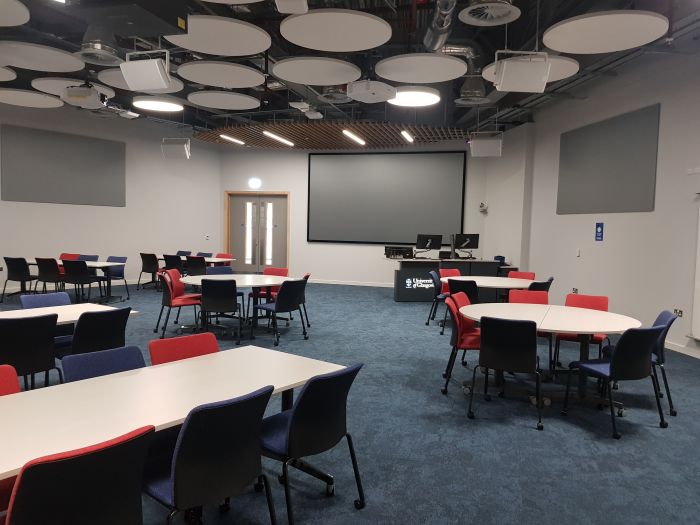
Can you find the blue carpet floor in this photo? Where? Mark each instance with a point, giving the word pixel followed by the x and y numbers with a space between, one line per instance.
pixel 423 461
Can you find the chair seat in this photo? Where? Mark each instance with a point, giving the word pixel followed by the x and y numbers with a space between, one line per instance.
pixel 442 296
pixel 275 430
pixel 470 340
pixel 185 301
pixel 160 487
pixel 595 367
pixel 596 338
pixel 270 307
pixel 190 296
pixel 62 341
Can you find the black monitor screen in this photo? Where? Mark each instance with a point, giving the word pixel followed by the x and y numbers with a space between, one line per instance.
pixel 428 242
pixel 466 241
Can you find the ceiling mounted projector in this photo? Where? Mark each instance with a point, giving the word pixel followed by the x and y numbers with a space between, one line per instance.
pixel 85 96
pixel 524 72
pixel 370 91
pixel 146 74
pixel 485 144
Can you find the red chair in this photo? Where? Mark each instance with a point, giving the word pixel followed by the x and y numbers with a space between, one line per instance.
pixel 534 297
pixel 465 335
pixel 67 257
pixel 274 290
pixel 96 484
pixel 522 275
pixel 9 384
pixel 177 348
pixel 174 296
pixel 592 302
pixel 447 272
pixel 223 256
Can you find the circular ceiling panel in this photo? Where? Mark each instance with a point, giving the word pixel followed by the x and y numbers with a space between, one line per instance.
pixel 57 86
pixel 421 68
pixel 219 35
pixel 561 68
pixel 14 13
pixel 223 100
pixel 38 58
pixel 221 74
pixel 316 71
pixel 605 31
pixel 28 99
pixel 6 74
pixel 336 30
pixel 113 77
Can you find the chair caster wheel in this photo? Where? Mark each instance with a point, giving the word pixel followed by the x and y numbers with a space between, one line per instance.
pixel 330 491
pixel 540 426
pixel 258 487
pixel 467 390
pixel 427 324
pixel 287 323
pixel 306 338
pixel 616 386
pixel 617 435
pixel 277 343
pixel 564 413
pixel 444 375
pixel 359 504
pixel 663 424
pixel 487 398
pixel 155 331
pixel 470 415
pixel 620 413
pixel 444 391
pixel 674 412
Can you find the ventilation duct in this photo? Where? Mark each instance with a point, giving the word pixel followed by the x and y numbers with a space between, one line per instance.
pixel 473 92
pixel 334 95
pixel 99 47
pixel 441 25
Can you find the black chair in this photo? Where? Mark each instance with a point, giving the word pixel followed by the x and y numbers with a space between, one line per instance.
pixel 658 357
pixel 196 265
pixel 49 272
pixel 630 361
pixel 116 273
pixel 438 298
pixel 227 270
pixel 510 346
pixel 26 343
pixel 96 331
pixel 95 364
pixel 78 274
pixel 541 286
pixel 316 423
pixel 174 262
pixel 17 271
pixel 217 455
pixel 63 335
pixel 220 299
pixel 289 299
pixel 149 264
pixel 468 287
pixel 303 300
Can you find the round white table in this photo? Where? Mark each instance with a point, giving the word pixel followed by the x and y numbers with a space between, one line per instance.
pixel 557 319
pixel 503 283
pixel 243 280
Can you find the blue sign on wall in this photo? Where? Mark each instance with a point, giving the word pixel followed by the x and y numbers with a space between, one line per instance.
pixel 598 231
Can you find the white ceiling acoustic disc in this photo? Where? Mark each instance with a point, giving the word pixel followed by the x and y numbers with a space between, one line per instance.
pixel 38 58
pixel 560 68
pixel 6 74
pixel 57 86
pixel 605 31
pixel 219 35
pixel 336 30
pixel 114 77
pixel 221 74
pixel 28 99
pixel 421 68
pixel 13 13
pixel 316 71
pixel 223 100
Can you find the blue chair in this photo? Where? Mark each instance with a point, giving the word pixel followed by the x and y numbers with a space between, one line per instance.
pixel 289 300
pixel 63 336
pixel 116 273
pixel 204 254
pixel 438 298
pixel 95 364
pixel 316 423
pixel 658 356
pixel 217 455
pixel 630 361
pixel 183 253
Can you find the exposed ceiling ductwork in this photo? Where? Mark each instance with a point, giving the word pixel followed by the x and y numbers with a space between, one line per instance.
pixel 440 27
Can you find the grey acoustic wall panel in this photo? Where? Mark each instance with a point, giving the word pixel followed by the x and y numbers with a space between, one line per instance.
pixel 46 166
pixel 385 198
pixel 610 166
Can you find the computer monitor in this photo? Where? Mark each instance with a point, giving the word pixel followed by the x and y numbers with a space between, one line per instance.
pixel 428 242
pixel 466 242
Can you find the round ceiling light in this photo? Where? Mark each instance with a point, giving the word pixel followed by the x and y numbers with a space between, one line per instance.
pixel 415 96
pixel 605 31
pixel 162 105
pixel 254 183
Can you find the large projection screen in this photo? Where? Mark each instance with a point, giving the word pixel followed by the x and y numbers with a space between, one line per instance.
pixel 385 198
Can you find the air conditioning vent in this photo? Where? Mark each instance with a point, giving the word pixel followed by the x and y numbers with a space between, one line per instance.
pixel 489 13
pixel 99 54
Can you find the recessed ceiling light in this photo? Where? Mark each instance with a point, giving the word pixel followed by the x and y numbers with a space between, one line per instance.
pixel 278 138
pixel 231 139
pixel 157 104
pixel 415 96
pixel 254 183
pixel 354 137
pixel 406 135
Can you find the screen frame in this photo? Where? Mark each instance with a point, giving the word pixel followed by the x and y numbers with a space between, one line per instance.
pixel 308 191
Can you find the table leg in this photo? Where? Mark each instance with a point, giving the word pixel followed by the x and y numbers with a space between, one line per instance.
pixel 584 346
pixel 108 287
pixel 287 399
pixel 256 300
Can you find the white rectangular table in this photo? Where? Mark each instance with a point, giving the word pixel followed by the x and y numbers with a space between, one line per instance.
pixel 73 415
pixel 106 268
pixel 208 260
pixel 67 314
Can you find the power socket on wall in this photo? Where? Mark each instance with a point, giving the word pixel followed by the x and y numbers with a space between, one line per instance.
pixel 574 290
pixel 678 312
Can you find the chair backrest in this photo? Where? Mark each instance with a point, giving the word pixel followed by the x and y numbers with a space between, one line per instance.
pixel 306 278
pixel 318 419
pixel 447 272
pixel 69 256
pixel 204 254
pixel 461 300
pixel 76 271
pixel 468 287
pixel 196 265
pixel 45 299
pixel 180 253
pixel 456 320
pixel 436 282
pixel 9 382
pixel 91 258
pixel 96 331
pixel 149 263
pixel 48 269
pixel 95 364
pixel 281 272
pixel 508 345
pixel 541 286
pixel 592 302
pixel 219 296
pixel 290 295
pixel 665 319
pixel 96 484
pixel 217 453
pixel 116 272
pixel 528 296
pixel 17 269
pixel 224 256
pixel 26 343
pixel 176 284
pixel 521 275
pixel 632 356
pixel 219 270
pixel 177 348
pixel 173 262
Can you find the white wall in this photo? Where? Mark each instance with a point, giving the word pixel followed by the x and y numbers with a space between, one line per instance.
pixel 170 205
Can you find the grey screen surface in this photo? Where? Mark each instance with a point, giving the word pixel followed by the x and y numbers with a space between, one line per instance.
pixel 610 166
pixel 46 166
pixel 385 198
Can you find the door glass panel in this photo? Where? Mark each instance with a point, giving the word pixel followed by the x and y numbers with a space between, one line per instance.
pixel 268 235
pixel 249 233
